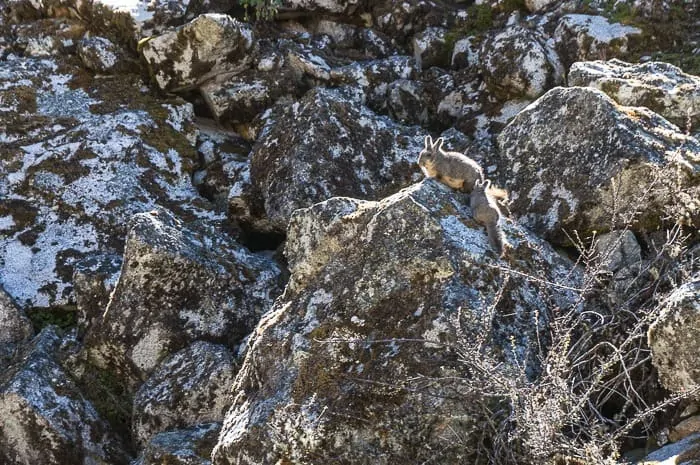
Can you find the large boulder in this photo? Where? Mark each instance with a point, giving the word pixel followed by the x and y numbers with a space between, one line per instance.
pixel 44 417
pixel 178 284
pixel 81 155
pixel 674 338
pixel 329 145
pixel 576 160
pixel 347 365
pixel 661 87
pixel 586 37
pixel 210 45
pixel 519 63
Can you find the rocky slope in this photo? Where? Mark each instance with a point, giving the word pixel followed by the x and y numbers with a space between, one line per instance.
pixel 217 247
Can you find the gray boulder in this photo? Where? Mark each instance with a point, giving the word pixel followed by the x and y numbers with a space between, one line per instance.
pixel 661 87
pixel 188 388
pixel 352 152
pixel 430 48
pixel 210 45
pixel 191 446
pixel 586 37
pixel 380 294
pixel 178 284
pixel 674 338
pixel 101 55
pixel 44 417
pixel 94 279
pixel 518 63
pixel 574 159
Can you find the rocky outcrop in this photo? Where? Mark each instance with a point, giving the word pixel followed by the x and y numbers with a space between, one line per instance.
pixel 575 160
pixel 210 45
pixel 661 87
pixel 329 145
pixel 674 339
pixel 94 280
pixel 178 284
pixel 80 156
pixel 382 293
pixel 189 388
pixel 585 37
pixel 44 417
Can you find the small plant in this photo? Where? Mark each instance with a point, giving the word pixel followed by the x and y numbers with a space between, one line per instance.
pixel 264 9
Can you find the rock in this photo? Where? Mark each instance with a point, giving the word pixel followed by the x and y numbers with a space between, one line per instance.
pixel 674 338
pixel 94 279
pixel 100 55
pixel 327 6
pixel 400 20
pixel 465 54
pixel 516 63
pixel 430 48
pixel 14 325
pixel 226 164
pixel 38 400
pixel 353 152
pixel 661 87
pixel 179 284
pixel 618 249
pixel 45 38
pixel 380 293
pixel 685 428
pixel 186 389
pixel 374 77
pixel 683 452
pixel 540 6
pixel 210 45
pixel 406 102
pixel 575 160
pixel 239 99
pixel 76 163
pixel 190 446
pixel 586 37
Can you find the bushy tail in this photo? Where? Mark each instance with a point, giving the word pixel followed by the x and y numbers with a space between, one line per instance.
pixel 498 239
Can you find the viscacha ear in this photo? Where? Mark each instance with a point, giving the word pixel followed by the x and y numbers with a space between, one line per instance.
pixel 428 142
pixel 438 143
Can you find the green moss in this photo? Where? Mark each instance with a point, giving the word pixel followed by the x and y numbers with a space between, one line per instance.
pixel 65 317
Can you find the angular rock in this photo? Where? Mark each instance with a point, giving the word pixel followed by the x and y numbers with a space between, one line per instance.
pixel 45 419
pixel 100 55
pixel 586 37
pixel 374 77
pixel 188 388
pixel 210 45
pixel 618 249
pixel 79 157
pixel 575 160
pixel 406 102
pixel 674 338
pixel 353 152
pixel 540 6
pixel 516 63
pixel 94 279
pixel 430 48
pixel 179 284
pixel 465 54
pixel 190 446
pixel 379 294
pixel 661 87
pixel 14 325
pixel 327 6
pixel 239 99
